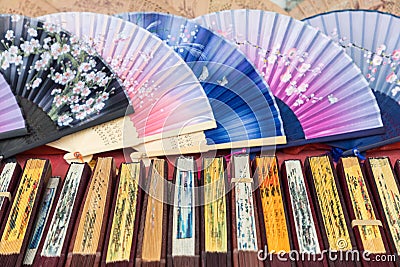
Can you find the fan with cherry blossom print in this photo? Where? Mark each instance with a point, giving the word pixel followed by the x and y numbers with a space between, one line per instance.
pixel 243 106
pixel 321 93
pixel 372 40
pixel 12 121
pixel 166 95
pixel 61 84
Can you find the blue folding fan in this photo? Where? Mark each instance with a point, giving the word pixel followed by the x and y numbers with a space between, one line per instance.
pixel 243 106
pixel 321 93
pixel 372 40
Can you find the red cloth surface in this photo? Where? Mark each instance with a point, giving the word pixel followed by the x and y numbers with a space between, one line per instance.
pixel 60 166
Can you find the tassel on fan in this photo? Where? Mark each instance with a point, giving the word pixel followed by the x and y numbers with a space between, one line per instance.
pixel 372 40
pixel 166 95
pixel 245 110
pixel 61 84
pixel 321 93
pixel 12 122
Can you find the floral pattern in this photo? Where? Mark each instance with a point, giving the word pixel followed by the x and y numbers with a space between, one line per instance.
pixel 182 43
pixel 295 66
pixel 81 88
pixel 375 59
pixel 143 90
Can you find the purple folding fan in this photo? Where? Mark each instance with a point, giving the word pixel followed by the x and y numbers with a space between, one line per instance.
pixel 322 94
pixel 372 40
pixel 12 122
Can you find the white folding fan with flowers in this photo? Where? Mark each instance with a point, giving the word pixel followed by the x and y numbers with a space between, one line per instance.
pixel 166 95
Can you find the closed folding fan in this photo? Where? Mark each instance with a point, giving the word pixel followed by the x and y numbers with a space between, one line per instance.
pixel 321 93
pixel 166 95
pixel 372 40
pixel 244 108
pixel 61 84
pixel 12 122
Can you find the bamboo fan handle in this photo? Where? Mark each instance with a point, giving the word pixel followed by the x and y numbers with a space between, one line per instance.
pixel 77 157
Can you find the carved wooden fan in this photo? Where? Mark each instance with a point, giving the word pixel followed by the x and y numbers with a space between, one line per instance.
pixel 195 8
pixel 391 6
pixel 109 7
pixel 31 8
pixel 310 8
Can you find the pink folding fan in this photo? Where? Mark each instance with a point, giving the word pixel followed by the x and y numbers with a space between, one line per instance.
pixel 61 84
pixel 321 93
pixel 166 95
pixel 372 40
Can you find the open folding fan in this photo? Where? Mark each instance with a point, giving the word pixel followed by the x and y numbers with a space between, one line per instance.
pixel 372 40
pixel 321 93
pixel 245 110
pixel 61 84
pixel 309 8
pixel 12 122
pixel 166 95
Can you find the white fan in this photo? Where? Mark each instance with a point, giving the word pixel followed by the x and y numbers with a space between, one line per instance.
pixel 166 95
